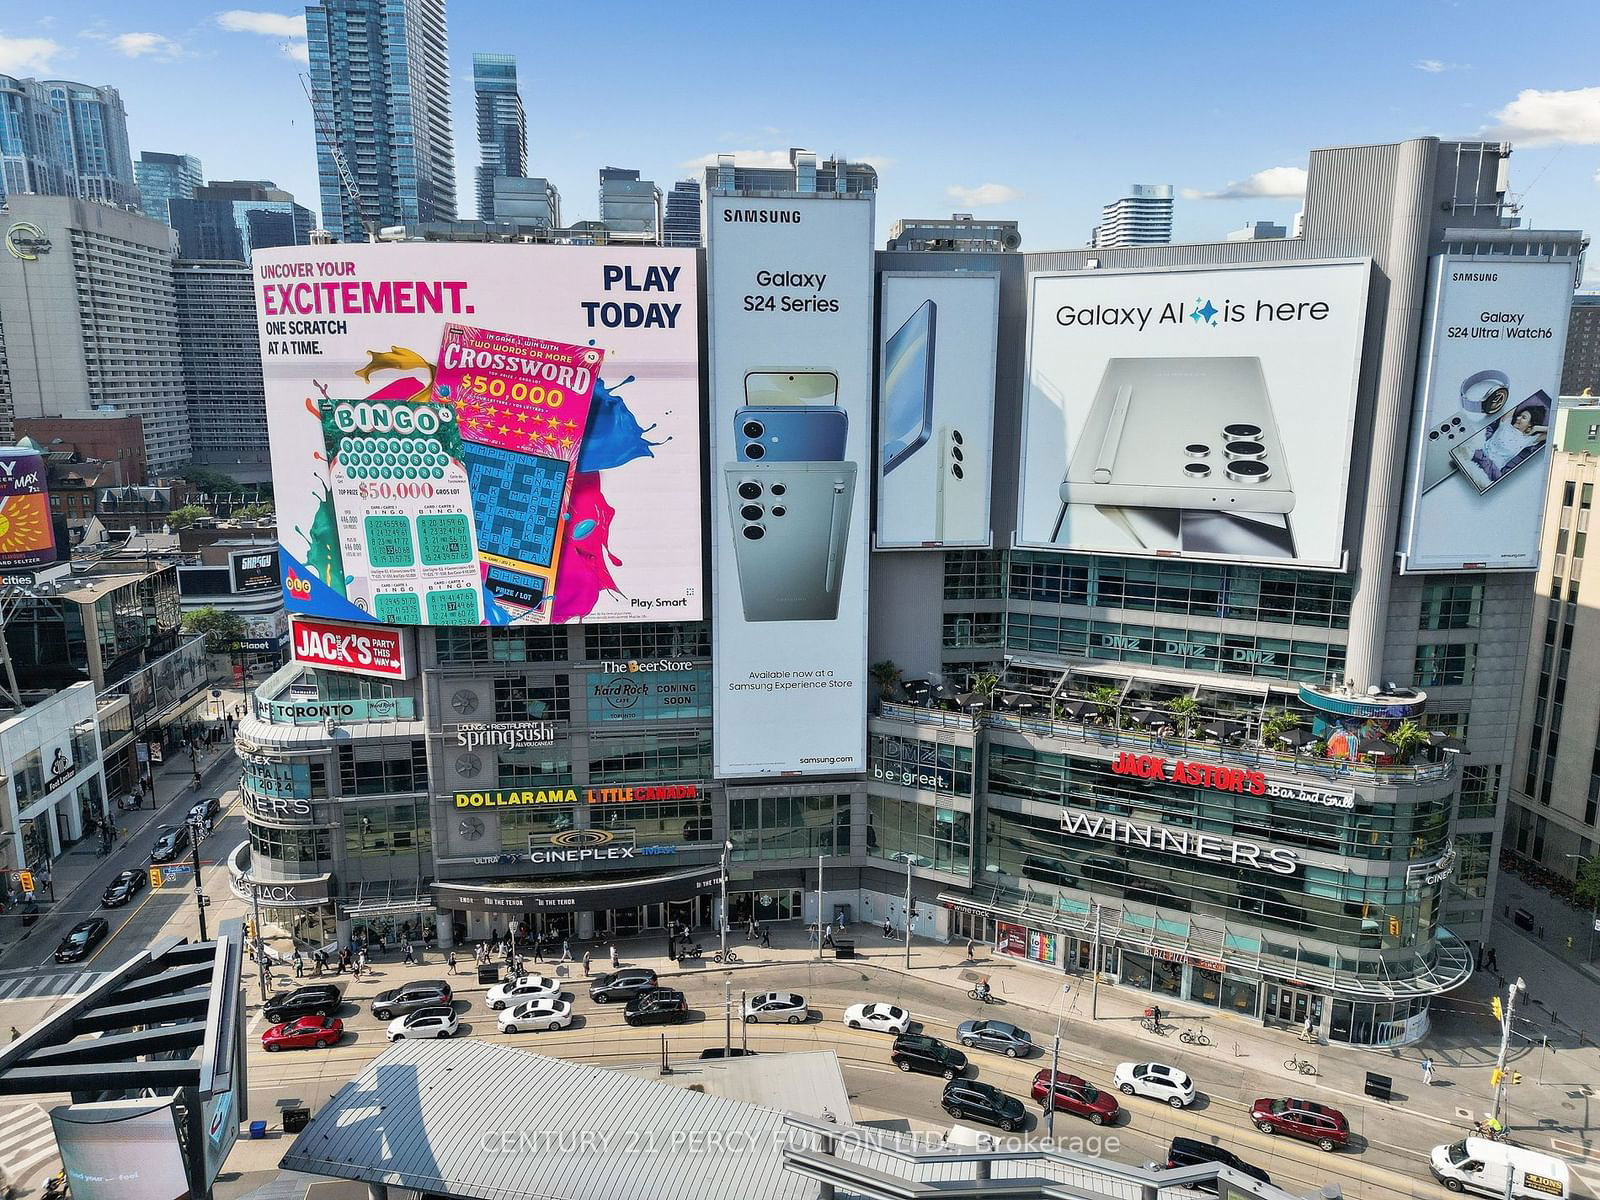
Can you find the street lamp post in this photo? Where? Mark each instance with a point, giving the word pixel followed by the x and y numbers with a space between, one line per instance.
pixel 199 895
pixel 910 859
pixel 1055 1066
pixel 723 921
pixel 1505 1047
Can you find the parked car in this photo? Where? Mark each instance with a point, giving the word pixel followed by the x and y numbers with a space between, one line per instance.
pixel 434 1021
pixel 658 1006
pixel 885 1018
pixel 1000 1036
pixel 914 1052
pixel 317 999
pixel 776 1006
pixel 205 810
pixel 425 993
pixel 545 1012
pixel 970 1100
pixel 1076 1096
pixel 82 938
pixel 523 987
pixel 1155 1080
pixel 1303 1119
pixel 171 841
pixel 622 985
pixel 303 1033
pixel 1186 1152
pixel 121 889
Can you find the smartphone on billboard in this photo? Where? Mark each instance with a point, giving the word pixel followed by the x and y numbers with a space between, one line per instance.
pixel 959 513
pixel 768 387
pixel 907 387
pixel 790 433
pixel 791 529
pixel 1505 443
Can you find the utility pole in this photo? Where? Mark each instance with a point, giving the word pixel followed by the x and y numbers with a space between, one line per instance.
pixel 199 895
pixel 727 1013
pixel 723 921
pixel 819 906
pixel 1055 1067
pixel 909 858
pixel 261 959
pixel 1505 1047
pixel 1094 966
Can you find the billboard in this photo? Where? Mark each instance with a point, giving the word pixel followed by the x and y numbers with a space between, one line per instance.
pixel 1204 413
pixel 936 361
pixel 1488 373
pixel 357 649
pixel 484 434
pixel 122 1150
pixel 27 539
pixel 253 570
pixel 791 381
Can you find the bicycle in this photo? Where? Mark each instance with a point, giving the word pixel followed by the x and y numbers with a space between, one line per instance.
pixel 1194 1037
pixel 1303 1065
pixel 727 956
pixel 1150 1025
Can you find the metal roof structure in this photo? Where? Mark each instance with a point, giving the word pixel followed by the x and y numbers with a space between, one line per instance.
pixel 475 1119
pixel 808 1082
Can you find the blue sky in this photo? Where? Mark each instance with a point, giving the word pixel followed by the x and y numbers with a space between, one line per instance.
pixel 1039 112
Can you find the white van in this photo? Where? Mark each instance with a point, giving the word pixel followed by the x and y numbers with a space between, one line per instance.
pixel 1480 1165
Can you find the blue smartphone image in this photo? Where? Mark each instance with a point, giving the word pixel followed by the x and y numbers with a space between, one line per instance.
pixel 907 387
pixel 790 433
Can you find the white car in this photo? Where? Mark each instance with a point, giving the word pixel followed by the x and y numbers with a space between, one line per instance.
pixel 1155 1080
pixel 885 1018
pixel 522 989
pixel 435 1021
pixel 545 1013
pixel 776 1006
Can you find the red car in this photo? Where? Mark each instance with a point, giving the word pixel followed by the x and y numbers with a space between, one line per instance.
pixel 1075 1096
pixel 1303 1119
pixel 303 1033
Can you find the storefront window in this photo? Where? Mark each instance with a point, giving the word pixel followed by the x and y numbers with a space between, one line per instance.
pixel 773 904
pixel 915 763
pixel 1205 985
pixel 307 849
pixel 775 827
pixel 941 837
pixel 1239 995
pixel 379 770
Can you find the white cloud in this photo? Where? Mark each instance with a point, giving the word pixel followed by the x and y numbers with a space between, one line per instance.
pixel 1537 118
pixel 1273 182
pixel 982 196
pixel 146 45
pixel 268 24
pixel 745 158
pixel 1436 66
pixel 28 56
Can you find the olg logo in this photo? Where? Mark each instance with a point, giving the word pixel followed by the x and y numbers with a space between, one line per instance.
pixel 366 417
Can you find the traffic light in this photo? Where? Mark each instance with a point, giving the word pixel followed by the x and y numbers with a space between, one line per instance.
pixel 1394 927
pixel 1495 1076
pixel 1499 1011
pixel 1516 1077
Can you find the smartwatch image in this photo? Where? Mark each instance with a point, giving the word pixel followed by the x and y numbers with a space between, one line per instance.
pixel 1485 392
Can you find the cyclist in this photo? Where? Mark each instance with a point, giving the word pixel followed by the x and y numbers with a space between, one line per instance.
pixel 1155 1017
pixel 983 990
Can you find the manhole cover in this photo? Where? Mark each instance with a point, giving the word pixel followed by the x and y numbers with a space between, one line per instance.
pixel 1464 1113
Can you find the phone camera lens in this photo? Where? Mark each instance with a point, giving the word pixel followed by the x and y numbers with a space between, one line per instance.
pixel 751 490
pixel 1248 471
pixel 1197 450
pixel 1245 450
pixel 778 510
pixel 956 470
pixel 955 436
pixel 754 533
pixel 754 429
pixel 1196 470
pixel 779 489
pixel 957 455
pixel 754 451
pixel 1241 431
pixel 751 512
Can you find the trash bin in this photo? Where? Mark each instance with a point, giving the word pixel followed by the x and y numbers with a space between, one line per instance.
pixel 843 948
pixel 489 973
pixel 258 1130
pixel 1379 1087
pixel 296 1119
pixel 1522 919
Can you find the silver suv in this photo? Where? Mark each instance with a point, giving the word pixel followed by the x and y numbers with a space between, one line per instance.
pixel 411 997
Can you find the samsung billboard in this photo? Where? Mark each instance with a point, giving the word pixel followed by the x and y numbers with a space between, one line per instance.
pixel 1201 413
pixel 484 434
pixel 791 384
pixel 1488 373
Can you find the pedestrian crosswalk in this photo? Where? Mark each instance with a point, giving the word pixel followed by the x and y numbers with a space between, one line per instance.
pixel 27 1143
pixel 33 985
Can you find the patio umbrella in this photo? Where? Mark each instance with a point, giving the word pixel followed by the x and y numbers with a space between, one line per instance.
pixel 1073 709
pixel 1024 703
pixel 970 700
pixel 1377 746
pixel 1447 742
pixel 1295 739
pixel 1223 729
pixel 947 691
pixel 1149 717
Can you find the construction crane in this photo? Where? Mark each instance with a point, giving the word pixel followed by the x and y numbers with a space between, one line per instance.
pixel 331 141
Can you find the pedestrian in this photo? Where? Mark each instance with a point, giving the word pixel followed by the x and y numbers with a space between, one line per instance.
pixel 361 962
pixel 1308 1032
pixel 827 937
pixel 410 959
pixel 613 949
pixel 888 929
pixel 14 1033
pixel 839 918
pixel 49 883
pixel 299 963
pixel 519 966
pixel 317 961
pixel 970 950
pixel 566 952
pixel 1427 1071
pixel 450 961
pixel 538 953
pixel 750 930
pixel 766 938
pixel 586 958
pixel 1491 961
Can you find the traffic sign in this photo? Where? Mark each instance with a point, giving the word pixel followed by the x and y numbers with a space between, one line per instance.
pixel 157 877
pixel 173 874
pixel 25 881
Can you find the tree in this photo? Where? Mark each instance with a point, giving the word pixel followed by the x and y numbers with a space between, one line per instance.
pixel 984 685
pixel 210 481
pixel 1587 892
pixel 1105 698
pixel 183 518
pixel 1183 709
pixel 254 512
pixel 1408 737
pixel 222 630
pixel 1277 723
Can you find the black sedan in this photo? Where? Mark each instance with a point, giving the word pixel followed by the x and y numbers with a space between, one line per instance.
pixel 171 841
pixel 121 889
pixel 969 1100
pixel 85 936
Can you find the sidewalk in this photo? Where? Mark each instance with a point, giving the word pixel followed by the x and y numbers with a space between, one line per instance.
pixel 68 873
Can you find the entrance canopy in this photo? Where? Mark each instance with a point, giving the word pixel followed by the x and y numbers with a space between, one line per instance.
pixel 622 892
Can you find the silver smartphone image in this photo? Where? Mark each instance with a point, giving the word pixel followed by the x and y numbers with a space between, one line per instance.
pixel 1440 442
pixel 906 387
pixel 1187 433
pixel 769 386
pixel 959 511
pixel 791 527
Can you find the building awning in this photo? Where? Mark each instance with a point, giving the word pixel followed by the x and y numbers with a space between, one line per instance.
pixel 385 898
pixel 544 896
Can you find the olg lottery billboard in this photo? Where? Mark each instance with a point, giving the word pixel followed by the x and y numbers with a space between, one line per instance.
pixel 791 421
pixel 1488 373
pixel 484 434
pixel 1202 413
